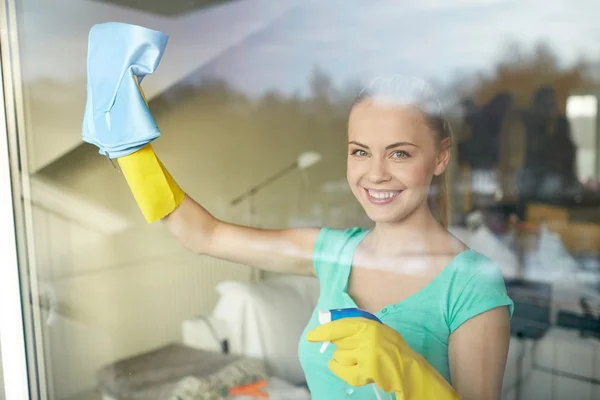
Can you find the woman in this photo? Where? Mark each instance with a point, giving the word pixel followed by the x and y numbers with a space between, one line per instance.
pixel 444 307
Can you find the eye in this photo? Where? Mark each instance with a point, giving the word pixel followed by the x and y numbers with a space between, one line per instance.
pixel 400 155
pixel 359 153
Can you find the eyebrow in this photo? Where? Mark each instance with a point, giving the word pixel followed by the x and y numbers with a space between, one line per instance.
pixel 391 146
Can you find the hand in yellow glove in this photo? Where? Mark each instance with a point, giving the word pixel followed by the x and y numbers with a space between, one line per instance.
pixel 370 352
pixel 117 122
pixel 154 189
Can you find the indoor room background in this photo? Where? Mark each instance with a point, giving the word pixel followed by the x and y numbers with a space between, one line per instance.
pixel 244 88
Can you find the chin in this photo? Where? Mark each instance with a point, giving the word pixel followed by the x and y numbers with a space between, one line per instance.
pixel 389 215
pixel 385 215
pixel 386 218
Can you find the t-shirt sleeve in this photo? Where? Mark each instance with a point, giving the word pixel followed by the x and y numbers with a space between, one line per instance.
pixel 483 291
pixel 333 251
pixel 320 250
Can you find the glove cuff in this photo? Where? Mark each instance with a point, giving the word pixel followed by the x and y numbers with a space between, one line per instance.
pixel 154 189
pixel 425 382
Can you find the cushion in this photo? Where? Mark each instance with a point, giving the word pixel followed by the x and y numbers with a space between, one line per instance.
pixel 266 320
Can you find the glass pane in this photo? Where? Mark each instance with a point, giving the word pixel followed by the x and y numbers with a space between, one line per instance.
pixel 256 102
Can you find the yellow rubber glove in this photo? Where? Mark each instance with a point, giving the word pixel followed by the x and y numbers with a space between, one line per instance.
pixel 154 189
pixel 370 352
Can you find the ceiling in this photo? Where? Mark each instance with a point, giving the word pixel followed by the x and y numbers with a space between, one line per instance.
pixel 169 8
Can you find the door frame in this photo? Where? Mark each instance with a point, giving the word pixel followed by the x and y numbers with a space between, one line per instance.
pixel 12 330
pixel 21 326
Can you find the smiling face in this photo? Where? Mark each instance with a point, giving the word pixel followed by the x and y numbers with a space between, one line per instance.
pixel 393 155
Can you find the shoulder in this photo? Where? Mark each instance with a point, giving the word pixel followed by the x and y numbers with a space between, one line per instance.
pixel 347 232
pixel 332 240
pixel 477 286
pixel 471 264
pixel 335 247
pixel 475 272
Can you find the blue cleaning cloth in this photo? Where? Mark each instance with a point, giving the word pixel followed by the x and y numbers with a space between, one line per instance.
pixel 117 119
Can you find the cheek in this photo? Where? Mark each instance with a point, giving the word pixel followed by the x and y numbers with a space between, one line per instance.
pixel 417 176
pixel 353 171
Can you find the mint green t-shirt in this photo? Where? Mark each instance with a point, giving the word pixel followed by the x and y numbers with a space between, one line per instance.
pixel 469 285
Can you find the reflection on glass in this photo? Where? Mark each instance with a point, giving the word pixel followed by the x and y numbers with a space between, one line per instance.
pixel 244 88
pixel 582 111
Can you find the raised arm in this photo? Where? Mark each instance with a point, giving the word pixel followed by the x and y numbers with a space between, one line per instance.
pixel 117 120
pixel 286 251
pixel 160 198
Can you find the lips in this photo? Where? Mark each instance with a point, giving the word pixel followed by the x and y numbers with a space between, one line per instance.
pixel 381 197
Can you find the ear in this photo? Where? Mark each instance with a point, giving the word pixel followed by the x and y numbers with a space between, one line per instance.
pixel 443 156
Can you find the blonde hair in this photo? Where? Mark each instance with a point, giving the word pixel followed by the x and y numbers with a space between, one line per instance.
pixel 414 92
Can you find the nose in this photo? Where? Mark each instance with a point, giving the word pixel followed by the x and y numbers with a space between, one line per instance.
pixel 378 172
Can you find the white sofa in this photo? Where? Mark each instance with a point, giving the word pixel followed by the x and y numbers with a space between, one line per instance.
pixel 263 319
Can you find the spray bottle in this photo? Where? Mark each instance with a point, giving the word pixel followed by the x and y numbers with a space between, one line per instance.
pixel 326 316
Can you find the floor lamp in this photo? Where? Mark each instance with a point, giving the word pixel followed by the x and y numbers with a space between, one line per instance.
pixel 304 161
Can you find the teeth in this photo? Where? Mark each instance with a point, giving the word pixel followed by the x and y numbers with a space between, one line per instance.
pixel 382 195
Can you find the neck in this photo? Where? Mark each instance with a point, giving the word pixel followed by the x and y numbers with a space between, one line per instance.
pixel 417 232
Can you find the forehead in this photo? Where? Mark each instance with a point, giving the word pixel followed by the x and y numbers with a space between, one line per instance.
pixel 372 122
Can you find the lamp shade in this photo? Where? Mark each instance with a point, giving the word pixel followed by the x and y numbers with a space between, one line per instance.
pixel 308 159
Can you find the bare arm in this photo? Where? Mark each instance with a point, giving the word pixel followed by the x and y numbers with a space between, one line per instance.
pixel 159 197
pixel 478 351
pixel 286 251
